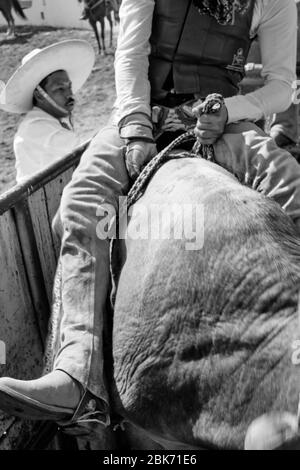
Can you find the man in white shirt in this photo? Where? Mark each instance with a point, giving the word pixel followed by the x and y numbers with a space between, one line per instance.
pixel 285 126
pixel 43 87
pixel 194 48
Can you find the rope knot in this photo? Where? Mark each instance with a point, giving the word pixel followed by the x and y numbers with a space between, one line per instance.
pixel 212 104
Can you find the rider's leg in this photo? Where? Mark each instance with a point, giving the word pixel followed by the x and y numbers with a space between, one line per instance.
pixel 92 194
pixel 284 127
pixel 114 5
pixel 84 14
pixel 96 184
pixel 257 161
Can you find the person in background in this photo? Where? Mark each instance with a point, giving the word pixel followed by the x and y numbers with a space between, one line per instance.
pixel 43 87
pixel 283 126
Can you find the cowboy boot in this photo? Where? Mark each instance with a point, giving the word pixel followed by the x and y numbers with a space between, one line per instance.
pixel 54 396
pixel 84 14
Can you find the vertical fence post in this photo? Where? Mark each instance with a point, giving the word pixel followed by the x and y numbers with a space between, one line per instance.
pixel 33 267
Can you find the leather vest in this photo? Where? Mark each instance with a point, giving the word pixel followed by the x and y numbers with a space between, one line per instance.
pixel 192 53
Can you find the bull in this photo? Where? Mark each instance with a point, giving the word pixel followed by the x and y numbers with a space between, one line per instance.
pixel 203 334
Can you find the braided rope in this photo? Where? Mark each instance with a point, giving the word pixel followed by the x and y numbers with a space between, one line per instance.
pixel 137 188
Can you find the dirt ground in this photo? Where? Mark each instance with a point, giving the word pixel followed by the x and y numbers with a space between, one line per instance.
pixel 94 100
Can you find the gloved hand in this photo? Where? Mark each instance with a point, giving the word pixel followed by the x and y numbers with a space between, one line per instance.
pixel 138 154
pixel 209 127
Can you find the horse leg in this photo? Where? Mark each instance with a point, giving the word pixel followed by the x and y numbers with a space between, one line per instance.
pixel 94 26
pixel 10 21
pixel 12 26
pixel 103 33
pixel 109 17
pixel 115 9
pixel 116 17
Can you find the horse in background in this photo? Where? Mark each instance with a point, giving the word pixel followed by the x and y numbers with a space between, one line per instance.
pixel 6 7
pixel 98 10
pixel 116 12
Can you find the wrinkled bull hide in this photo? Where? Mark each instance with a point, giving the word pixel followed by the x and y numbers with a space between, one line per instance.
pixel 203 339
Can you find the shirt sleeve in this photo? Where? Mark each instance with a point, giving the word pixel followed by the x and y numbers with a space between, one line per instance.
pixel 277 36
pixel 131 60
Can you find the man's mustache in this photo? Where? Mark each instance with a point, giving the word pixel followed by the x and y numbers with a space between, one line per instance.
pixel 70 101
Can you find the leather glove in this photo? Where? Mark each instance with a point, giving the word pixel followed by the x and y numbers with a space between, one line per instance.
pixel 138 154
pixel 209 127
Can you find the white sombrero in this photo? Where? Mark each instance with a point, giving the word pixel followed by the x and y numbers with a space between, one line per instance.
pixel 75 56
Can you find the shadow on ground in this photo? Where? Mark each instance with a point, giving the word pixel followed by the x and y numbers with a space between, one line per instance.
pixel 23 34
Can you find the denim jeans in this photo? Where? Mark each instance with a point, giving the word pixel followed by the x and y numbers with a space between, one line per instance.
pixel 100 179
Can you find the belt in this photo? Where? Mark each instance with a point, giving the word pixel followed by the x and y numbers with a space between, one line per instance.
pixel 171 100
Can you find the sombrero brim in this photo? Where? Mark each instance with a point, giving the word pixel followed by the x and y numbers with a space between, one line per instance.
pixel 75 56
